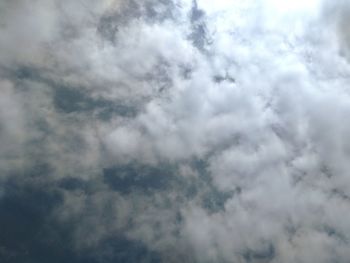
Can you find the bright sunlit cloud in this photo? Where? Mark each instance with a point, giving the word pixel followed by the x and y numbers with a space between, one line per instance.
pixel 278 6
pixel 294 6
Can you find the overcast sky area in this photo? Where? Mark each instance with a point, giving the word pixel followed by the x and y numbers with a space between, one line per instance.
pixel 174 131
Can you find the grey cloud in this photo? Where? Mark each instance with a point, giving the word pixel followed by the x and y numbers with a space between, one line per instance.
pixel 149 11
pixel 199 29
pixel 337 13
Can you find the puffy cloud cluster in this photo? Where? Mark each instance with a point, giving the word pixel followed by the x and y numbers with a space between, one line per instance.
pixel 174 131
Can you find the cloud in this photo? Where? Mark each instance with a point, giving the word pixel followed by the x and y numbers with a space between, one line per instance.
pixel 168 131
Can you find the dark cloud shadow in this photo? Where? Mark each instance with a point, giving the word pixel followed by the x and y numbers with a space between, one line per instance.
pixel 29 231
pixel 134 177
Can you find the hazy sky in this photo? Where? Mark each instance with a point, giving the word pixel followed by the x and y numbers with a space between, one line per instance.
pixel 168 131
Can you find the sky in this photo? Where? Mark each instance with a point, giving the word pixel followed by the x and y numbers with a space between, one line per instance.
pixel 166 131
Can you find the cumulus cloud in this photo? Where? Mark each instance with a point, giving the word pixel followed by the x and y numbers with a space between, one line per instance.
pixel 174 131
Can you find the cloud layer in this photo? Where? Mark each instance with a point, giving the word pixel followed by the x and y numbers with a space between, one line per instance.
pixel 174 131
